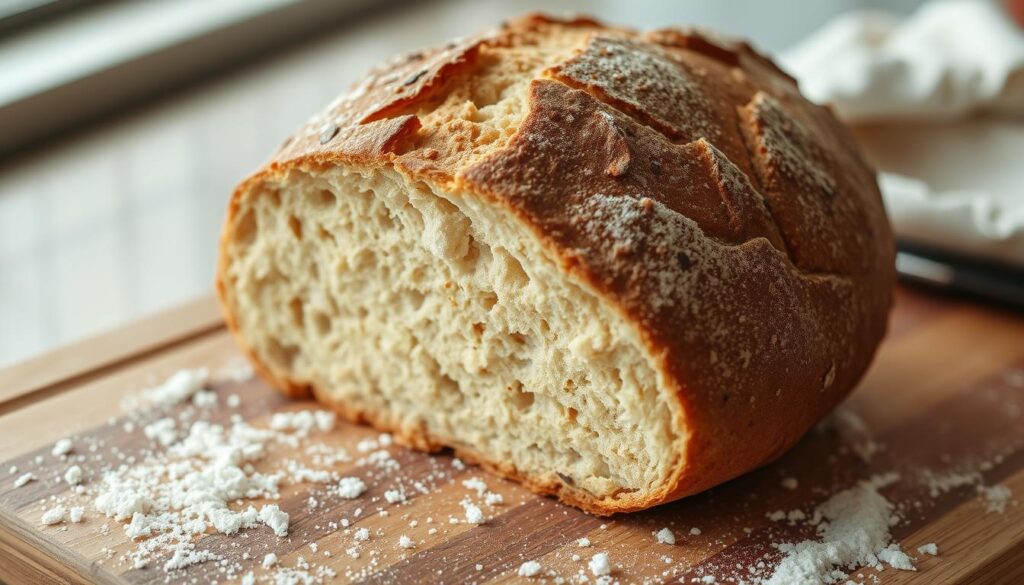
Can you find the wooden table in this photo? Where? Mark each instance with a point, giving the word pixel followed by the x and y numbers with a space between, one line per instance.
pixel 945 394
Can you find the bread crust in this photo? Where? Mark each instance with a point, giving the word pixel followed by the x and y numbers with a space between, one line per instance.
pixel 685 181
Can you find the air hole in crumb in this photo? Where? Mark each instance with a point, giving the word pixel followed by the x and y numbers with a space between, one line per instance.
pixel 325 235
pixel 325 198
pixel 296 226
pixel 415 298
pixel 522 399
pixel 281 355
pixel 515 274
pixel 314 270
pixel 478 329
pixel 489 300
pixel 246 227
pixel 322 323
pixel 275 198
pixel 518 338
pixel 571 413
pixel 298 315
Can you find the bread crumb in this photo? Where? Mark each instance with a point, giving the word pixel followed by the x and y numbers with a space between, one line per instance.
pixel 583 542
pixel 695 531
pixel 76 514
pixel 405 542
pixel 269 560
pixel 23 479
pixel 790 483
pixel 362 535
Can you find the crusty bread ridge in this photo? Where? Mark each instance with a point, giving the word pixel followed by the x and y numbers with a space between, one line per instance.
pixel 619 267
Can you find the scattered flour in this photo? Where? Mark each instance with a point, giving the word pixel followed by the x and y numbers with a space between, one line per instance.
pixel 473 513
pixel 54 515
pixel 929 549
pixel 303 422
pixel 665 536
pixel 855 533
pixel 529 569
pixel 179 387
pixel 351 487
pixel 73 475
pixel 62 447
pixel 996 498
pixel 272 516
pixel 599 565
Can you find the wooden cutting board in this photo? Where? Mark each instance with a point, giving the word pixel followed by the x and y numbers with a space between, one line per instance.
pixel 945 394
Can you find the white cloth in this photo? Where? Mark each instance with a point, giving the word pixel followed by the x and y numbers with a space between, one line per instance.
pixel 953 72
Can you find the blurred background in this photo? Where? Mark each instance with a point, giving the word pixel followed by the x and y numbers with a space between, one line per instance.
pixel 125 124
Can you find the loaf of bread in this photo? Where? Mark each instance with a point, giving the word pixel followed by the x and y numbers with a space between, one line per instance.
pixel 618 267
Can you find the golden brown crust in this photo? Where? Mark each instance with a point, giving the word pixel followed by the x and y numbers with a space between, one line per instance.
pixel 687 182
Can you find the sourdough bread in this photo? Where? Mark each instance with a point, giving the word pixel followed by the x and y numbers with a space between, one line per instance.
pixel 619 267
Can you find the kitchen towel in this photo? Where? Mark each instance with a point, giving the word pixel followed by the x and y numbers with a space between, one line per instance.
pixel 937 99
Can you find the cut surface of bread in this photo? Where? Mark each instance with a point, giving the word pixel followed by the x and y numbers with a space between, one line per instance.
pixel 444 317
pixel 619 267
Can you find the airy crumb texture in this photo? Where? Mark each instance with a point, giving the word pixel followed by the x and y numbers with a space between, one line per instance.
pixel 620 267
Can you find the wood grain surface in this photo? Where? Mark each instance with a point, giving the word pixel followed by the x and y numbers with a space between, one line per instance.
pixel 945 394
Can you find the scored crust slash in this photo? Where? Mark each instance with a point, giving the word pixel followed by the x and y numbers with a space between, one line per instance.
pixel 619 267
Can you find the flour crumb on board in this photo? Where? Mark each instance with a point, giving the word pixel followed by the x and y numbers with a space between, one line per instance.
pixel 179 387
pixel 996 498
pixel 54 515
pixel 929 549
pixel 23 479
pixel 665 536
pixel 351 488
pixel 73 475
pixel 62 448
pixel 529 569
pixel 854 526
pixel 600 565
